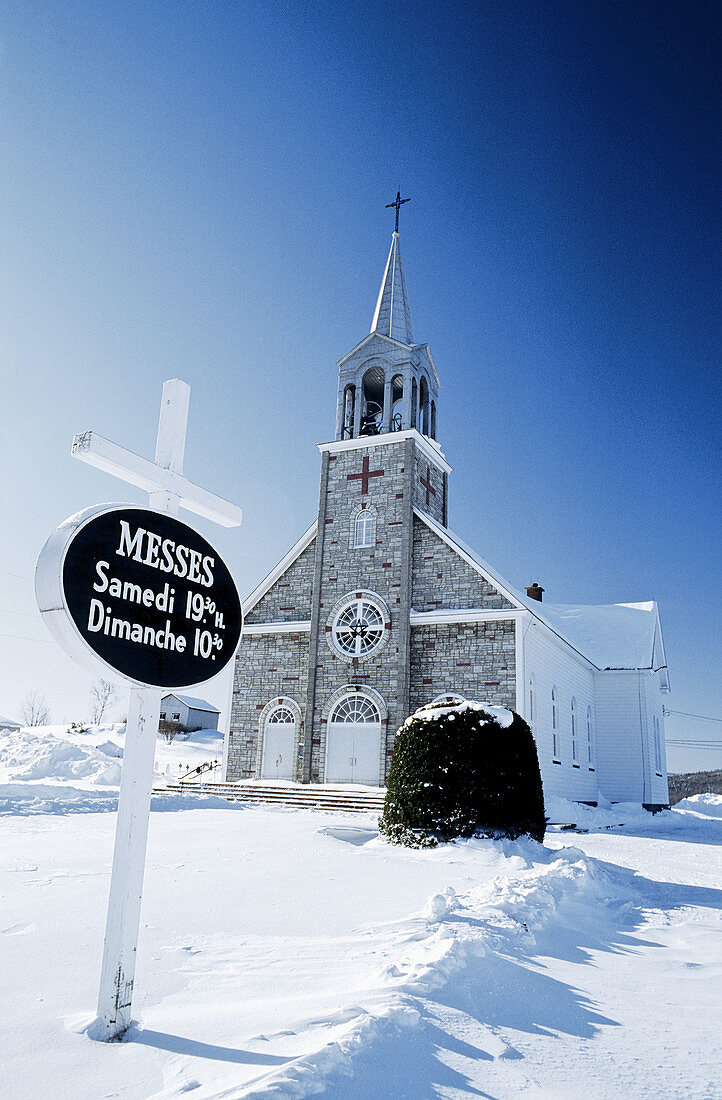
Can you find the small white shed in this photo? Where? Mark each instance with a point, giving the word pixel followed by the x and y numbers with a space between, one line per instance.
pixel 192 713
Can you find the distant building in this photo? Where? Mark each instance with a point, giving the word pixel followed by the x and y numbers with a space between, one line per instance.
pixel 192 714
pixel 8 724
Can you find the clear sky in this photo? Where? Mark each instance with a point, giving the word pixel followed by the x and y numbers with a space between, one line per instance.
pixel 198 191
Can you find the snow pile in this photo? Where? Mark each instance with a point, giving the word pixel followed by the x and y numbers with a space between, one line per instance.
pixel 36 753
pixel 709 805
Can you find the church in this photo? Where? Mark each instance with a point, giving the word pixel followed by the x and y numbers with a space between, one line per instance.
pixel 380 608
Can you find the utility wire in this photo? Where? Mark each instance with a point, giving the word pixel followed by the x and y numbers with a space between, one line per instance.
pixel 17 576
pixel 24 638
pixel 697 744
pixel 685 714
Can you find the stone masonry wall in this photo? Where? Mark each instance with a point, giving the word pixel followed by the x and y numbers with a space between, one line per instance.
pixel 347 570
pixel 442 579
pixel 267 666
pixel 476 659
pixel 429 500
pixel 289 600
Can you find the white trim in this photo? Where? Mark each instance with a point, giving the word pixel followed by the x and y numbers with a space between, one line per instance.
pixel 268 582
pixel 278 628
pixel 520 661
pixel 428 446
pixel 463 615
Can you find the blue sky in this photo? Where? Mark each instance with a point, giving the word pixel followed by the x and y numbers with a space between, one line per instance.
pixel 199 190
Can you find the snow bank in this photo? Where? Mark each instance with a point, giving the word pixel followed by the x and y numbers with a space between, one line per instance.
pixel 38 753
pixel 26 799
pixel 710 805
pixel 456 937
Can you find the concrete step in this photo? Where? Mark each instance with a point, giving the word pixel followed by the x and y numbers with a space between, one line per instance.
pixel 298 797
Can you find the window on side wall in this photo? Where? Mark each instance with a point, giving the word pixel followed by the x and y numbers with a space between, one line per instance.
pixel 556 748
pixel 364 529
pixel 657 747
pixel 574 730
pixel 590 739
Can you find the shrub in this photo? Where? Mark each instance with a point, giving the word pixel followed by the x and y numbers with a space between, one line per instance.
pixel 170 730
pixel 464 770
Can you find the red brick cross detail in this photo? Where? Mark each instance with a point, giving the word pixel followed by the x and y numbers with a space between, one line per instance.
pixel 428 486
pixel 365 475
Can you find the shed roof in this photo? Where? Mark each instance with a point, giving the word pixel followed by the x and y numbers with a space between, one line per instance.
pixel 192 702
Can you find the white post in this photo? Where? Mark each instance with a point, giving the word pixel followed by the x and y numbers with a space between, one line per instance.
pixel 136 785
pixel 126 883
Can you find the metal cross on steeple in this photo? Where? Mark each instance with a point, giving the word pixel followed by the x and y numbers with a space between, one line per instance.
pixel 398 201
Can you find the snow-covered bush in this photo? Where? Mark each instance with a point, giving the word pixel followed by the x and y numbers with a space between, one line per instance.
pixel 459 771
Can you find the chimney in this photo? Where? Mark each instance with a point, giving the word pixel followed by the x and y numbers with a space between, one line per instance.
pixel 534 592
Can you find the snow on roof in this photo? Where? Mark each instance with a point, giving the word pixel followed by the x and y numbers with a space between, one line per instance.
pixel 611 636
pixel 8 723
pixel 619 635
pixel 193 703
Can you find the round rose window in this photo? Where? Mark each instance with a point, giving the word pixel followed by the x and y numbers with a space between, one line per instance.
pixel 359 626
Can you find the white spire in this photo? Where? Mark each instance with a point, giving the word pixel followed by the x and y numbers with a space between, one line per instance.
pixel 392 316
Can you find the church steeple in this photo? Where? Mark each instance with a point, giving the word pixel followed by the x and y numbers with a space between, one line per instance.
pixel 392 316
pixel 388 383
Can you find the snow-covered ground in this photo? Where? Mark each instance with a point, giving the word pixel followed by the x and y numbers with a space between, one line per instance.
pixel 287 954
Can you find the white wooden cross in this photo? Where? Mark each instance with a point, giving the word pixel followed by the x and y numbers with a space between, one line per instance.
pixel 167 491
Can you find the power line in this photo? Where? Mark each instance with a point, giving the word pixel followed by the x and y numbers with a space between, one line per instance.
pixel 696 744
pixel 23 637
pixel 685 714
pixel 17 576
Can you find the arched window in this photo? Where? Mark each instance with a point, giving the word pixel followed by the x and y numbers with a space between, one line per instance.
pixel 532 702
pixel 574 729
pixel 424 405
pixel 556 748
pixel 364 530
pixel 433 420
pixel 657 747
pixel 590 738
pixel 397 403
pixel 349 403
pixel 414 402
pixel 280 715
pixel 372 408
pixel 355 710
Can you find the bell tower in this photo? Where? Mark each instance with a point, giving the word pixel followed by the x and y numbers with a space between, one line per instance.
pixel 388 383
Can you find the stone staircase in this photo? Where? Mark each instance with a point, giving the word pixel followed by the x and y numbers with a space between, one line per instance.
pixel 352 799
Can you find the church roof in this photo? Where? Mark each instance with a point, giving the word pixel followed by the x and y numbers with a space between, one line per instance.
pixel 392 316
pixel 610 636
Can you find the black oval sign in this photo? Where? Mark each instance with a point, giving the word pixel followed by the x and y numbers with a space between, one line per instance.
pixel 151 597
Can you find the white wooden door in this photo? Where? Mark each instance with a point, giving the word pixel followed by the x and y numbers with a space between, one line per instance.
pixel 278 750
pixel 352 753
pixel 366 752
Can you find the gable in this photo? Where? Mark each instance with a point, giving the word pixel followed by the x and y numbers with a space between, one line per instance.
pixel 288 599
pixel 441 578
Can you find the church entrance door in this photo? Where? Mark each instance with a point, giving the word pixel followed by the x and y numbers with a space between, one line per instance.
pixel 353 742
pixel 278 744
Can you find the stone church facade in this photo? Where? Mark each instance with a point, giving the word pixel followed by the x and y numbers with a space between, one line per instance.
pixel 379 608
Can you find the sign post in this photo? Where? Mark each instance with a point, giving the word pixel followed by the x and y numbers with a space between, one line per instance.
pixel 136 592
